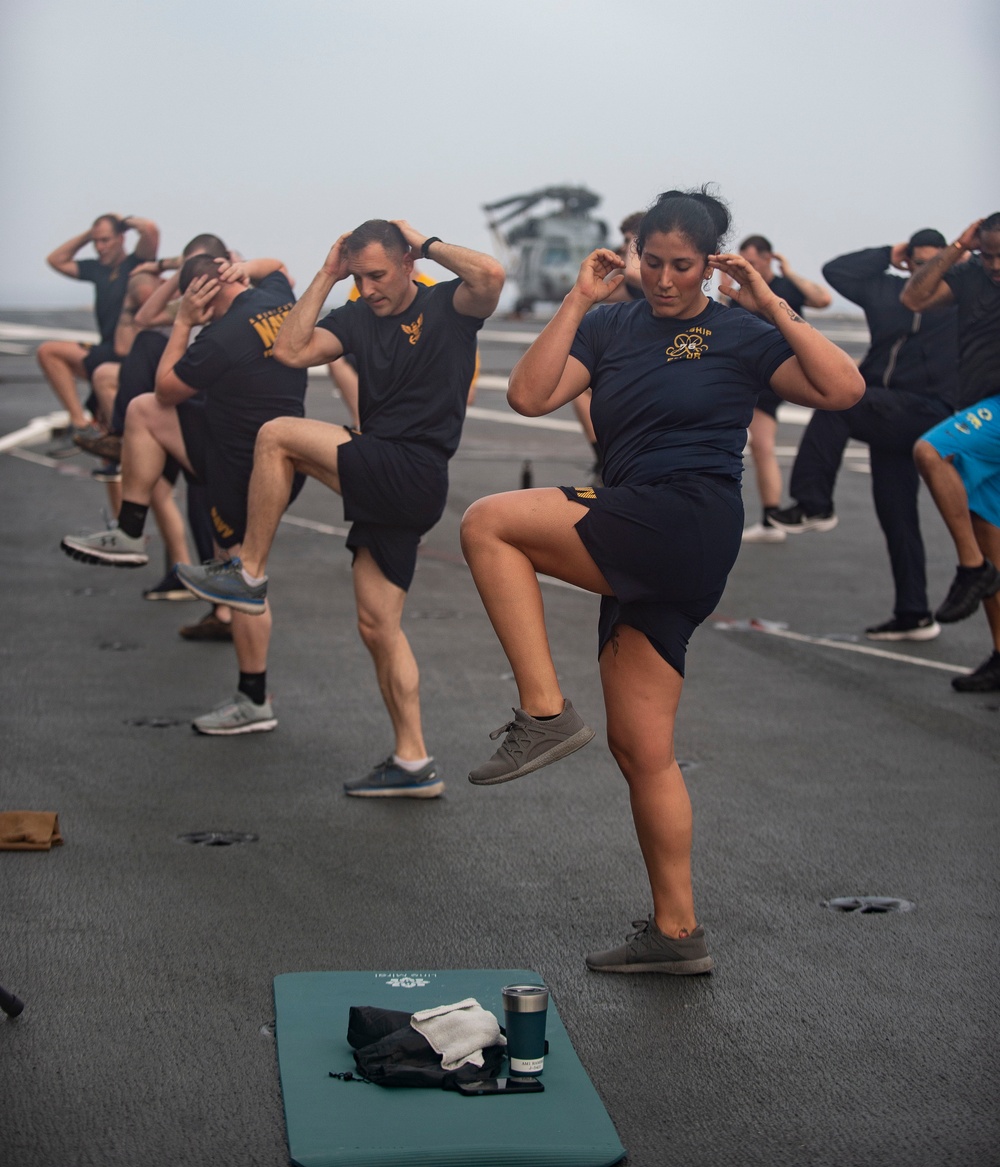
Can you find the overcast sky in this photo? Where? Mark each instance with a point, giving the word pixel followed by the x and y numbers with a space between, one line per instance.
pixel 828 126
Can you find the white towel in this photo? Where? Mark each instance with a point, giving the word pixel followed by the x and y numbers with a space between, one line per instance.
pixel 459 1032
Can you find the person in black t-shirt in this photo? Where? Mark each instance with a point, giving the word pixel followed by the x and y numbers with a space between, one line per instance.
pixel 799 293
pixel 675 377
pixel 960 458
pixel 232 362
pixel 415 348
pixel 910 372
pixel 64 362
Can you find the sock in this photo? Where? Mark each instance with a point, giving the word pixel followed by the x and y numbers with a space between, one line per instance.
pixel 254 685
pixel 132 518
pixel 972 570
pixel 408 766
pixel 252 580
pixel 768 512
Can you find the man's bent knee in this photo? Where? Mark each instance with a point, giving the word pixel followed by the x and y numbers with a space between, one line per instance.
pixel 926 456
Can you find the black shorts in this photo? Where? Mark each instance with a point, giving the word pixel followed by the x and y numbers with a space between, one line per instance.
pixel 768 402
pixel 393 493
pixel 99 354
pixel 226 477
pixel 666 550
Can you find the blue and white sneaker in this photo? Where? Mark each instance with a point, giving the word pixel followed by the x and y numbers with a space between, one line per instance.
pixel 387 780
pixel 221 582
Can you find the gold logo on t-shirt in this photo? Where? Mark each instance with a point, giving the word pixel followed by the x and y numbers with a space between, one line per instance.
pixel 687 346
pixel 413 330
pixel 584 492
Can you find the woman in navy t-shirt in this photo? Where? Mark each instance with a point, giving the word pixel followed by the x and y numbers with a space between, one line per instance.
pixel 675 377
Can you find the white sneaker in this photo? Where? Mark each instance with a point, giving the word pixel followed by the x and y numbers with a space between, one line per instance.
pixel 758 533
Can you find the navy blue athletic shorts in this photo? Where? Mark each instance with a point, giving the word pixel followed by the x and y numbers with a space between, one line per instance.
pixel 768 402
pixel 100 354
pixel 394 492
pixel 226 480
pixel 666 549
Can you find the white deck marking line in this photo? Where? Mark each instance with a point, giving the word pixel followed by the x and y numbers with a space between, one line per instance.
pixel 822 642
pixel 10 331
pixel 312 525
pixel 65 468
pixel 541 423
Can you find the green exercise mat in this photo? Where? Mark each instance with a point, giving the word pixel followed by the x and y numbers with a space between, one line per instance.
pixel 332 1123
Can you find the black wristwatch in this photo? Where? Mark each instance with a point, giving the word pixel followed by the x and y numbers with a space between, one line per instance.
pixel 427 242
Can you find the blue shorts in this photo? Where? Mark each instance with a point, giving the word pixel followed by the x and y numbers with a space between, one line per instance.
pixel 666 549
pixel 971 438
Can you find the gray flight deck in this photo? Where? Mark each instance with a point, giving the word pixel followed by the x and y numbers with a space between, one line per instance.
pixel 816 771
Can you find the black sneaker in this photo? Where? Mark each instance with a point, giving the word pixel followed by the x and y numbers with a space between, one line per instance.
pixel 905 627
pixel 794 520
pixel 970 585
pixel 985 679
pixel 169 588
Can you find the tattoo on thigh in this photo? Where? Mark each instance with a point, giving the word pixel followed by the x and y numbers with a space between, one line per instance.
pixel 614 642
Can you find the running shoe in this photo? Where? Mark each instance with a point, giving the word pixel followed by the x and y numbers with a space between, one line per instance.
pixel 107 472
pixel 110 548
pixel 240 715
pixel 763 533
pixel 794 520
pixel 650 950
pixel 906 627
pixel 970 585
pixel 209 627
pixel 985 679
pixel 221 582
pixel 169 588
pixel 531 744
pixel 101 445
pixel 389 780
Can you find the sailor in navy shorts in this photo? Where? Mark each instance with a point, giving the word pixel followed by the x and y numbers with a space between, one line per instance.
pixel 675 377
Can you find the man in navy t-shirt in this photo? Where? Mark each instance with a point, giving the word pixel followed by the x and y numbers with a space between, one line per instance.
pixel 415 348
pixel 232 362
pixel 64 362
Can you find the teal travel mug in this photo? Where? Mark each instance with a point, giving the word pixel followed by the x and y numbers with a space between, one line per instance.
pixel 524 1009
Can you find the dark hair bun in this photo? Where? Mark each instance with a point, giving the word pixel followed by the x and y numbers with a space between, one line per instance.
pixel 699 216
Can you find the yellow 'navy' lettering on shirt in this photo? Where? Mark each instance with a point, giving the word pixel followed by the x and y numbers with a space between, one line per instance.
pixel 413 330
pixel 688 345
pixel 266 325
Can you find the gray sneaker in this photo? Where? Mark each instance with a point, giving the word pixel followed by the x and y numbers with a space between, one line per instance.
pixel 388 780
pixel 112 547
pixel 240 715
pixel 221 582
pixel 531 744
pixel 649 950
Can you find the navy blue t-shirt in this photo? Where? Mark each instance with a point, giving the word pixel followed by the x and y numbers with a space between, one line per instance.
pixel 978 300
pixel 414 368
pixel 232 359
pixel 110 286
pixel 674 394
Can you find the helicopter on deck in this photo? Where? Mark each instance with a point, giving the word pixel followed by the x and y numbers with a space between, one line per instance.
pixel 544 252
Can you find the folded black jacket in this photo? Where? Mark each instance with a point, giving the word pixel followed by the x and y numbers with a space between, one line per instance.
pixel 389 1052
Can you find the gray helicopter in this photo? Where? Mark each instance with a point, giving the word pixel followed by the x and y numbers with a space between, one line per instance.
pixel 544 252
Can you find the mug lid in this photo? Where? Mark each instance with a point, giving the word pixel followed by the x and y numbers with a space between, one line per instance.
pixel 525 998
